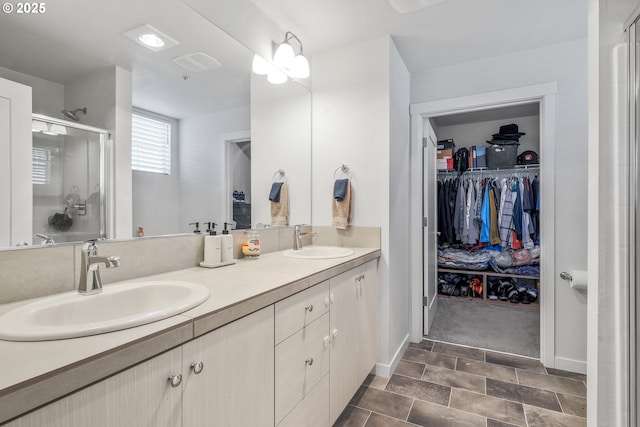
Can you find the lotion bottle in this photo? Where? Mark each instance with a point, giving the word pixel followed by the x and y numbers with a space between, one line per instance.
pixel 212 246
pixel 227 244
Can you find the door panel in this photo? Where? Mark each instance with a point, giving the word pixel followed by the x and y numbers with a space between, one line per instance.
pixel 429 212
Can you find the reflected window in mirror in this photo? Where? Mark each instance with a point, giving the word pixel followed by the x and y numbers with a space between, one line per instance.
pixel 150 144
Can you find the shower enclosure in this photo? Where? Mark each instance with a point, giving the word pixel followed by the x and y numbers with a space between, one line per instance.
pixel 69 181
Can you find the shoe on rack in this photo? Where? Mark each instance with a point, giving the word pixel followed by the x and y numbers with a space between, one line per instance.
pixel 464 290
pixel 492 291
pixel 505 290
pixel 514 296
pixel 533 294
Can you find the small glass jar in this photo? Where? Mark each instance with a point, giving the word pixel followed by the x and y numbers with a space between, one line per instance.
pixel 251 246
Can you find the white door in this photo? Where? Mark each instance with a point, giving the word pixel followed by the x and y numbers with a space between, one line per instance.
pixel 430 226
pixel 16 189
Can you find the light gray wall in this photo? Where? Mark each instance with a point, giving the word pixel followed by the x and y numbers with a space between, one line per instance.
pixel 156 197
pixel 202 165
pixel 240 159
pixel 565 64
pixel 48 96
pixel 361 117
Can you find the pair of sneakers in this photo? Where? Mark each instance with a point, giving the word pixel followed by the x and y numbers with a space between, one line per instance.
pixel 500 290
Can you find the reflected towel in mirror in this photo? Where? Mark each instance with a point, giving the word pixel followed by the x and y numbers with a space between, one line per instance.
pixel 274 194
pixel 280 210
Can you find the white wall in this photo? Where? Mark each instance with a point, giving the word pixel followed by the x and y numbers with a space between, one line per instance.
pixel 158 215
pixel 466 135
pixel 48 96
pixel 107 96
pixel 280 139
pixel 565 64
pixel 240 159
pixel 608 206
pixel 359 118
pixel 202 165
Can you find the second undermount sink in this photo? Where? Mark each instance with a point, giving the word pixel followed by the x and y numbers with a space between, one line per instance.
pixel 318 252
pixel 71 315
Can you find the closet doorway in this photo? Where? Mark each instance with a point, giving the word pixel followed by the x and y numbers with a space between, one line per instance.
pixel 424 177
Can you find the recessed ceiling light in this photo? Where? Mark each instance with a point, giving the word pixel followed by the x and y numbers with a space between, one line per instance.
pixel 151 38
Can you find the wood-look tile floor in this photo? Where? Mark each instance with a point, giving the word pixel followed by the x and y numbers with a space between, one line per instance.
pixel 439 384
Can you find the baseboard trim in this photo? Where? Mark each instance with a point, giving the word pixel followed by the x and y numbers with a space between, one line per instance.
pixel 571 365
pixel 383 370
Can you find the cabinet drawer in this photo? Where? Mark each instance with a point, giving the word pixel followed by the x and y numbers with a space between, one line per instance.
pixel 301 361
pixel 299 310
pixel 313 410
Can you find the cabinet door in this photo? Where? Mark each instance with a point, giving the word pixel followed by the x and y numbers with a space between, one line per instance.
pixel 236 384
pixel 16 189
pixel 367 311
pixel 344 320
pixel 139 396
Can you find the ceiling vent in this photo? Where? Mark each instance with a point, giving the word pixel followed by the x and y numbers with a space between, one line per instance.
pixel 197 62
pixel 406 6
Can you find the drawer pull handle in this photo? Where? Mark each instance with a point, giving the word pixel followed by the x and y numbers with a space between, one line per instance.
pixel 309 361
pixel 197 367
pixel 309 308
pixel 175 380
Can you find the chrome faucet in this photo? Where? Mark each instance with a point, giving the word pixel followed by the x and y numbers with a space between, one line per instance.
pixel 90 282
pixel 298 234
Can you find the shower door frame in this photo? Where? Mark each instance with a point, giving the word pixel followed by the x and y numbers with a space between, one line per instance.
pixel 106 170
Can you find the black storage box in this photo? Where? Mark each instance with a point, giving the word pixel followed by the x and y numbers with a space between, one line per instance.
pixel 502 156
pixel 446 144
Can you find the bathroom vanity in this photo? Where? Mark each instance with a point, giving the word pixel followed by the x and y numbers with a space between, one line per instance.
pixel 280 342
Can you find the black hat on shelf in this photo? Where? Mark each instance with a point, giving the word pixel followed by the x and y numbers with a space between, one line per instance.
pixel 510 132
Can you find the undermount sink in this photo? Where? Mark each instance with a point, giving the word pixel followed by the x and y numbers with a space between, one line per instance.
pixel 72 315
pixel 318 252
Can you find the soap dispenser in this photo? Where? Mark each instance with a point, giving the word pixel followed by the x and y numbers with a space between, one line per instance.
pixel 212 246
pixel 196 229
pixel 227 245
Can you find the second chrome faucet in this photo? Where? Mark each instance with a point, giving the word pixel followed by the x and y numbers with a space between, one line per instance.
pixel 298 234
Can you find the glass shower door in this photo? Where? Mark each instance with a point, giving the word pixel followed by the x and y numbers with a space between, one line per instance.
pixel 68 181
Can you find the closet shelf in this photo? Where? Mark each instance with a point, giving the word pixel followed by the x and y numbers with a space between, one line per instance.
pixel 485 282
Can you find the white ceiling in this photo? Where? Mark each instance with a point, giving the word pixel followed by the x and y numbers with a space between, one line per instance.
pixel 445 33
pixel 74 38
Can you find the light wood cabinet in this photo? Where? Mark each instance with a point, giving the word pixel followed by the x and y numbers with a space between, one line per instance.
pixel 354 298
pixel 239 375
pixel 138 396
pixel 236 384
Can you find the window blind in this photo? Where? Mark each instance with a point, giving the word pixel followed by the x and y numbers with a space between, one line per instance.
pixel 41 162
pixel 151 145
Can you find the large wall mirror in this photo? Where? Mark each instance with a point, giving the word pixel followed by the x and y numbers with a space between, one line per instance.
pixel 86 58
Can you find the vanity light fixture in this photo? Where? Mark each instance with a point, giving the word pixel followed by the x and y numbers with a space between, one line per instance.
pixel 295 65
pixel 276 76
pixel 151 38
pixel 260 66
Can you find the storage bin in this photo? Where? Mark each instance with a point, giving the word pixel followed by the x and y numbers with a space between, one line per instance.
pixel 502 156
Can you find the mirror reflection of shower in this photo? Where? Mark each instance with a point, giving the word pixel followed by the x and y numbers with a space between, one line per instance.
pixel 68 178
pixel 73 114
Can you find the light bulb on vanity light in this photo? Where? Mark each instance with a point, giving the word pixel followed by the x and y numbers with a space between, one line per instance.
pixel 300 67
pixel 284 55
pixel 260 66
pixel 276 76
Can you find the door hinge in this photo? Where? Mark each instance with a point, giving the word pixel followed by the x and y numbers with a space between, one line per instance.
pixel 425 142
pixel 425 301
pixel 425 222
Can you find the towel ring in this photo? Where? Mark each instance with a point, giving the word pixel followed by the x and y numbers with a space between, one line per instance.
pixel 344 168
pixel 280 174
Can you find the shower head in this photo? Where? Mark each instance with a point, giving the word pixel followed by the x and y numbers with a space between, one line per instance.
pixel 73 115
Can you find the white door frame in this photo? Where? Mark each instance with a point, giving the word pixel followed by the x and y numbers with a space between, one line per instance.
pixel 544 94
pixel 231 138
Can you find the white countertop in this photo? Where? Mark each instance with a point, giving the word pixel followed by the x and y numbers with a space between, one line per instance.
pixel 37 372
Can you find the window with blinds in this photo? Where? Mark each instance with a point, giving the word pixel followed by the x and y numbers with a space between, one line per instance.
pixel 41 162
pixel 151 145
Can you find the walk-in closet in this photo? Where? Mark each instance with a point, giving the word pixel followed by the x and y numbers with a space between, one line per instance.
pixel 487 193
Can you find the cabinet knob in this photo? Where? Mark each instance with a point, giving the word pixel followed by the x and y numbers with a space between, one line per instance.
pixel 326 341
pixel 332 298
pixel 175 380
pixel 309 361
pixel 309 308
pixel 327 301
pixel 334 333
pixel 197 367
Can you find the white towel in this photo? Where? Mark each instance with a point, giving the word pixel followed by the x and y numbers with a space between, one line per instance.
pixel 341 211
pixel 280 210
